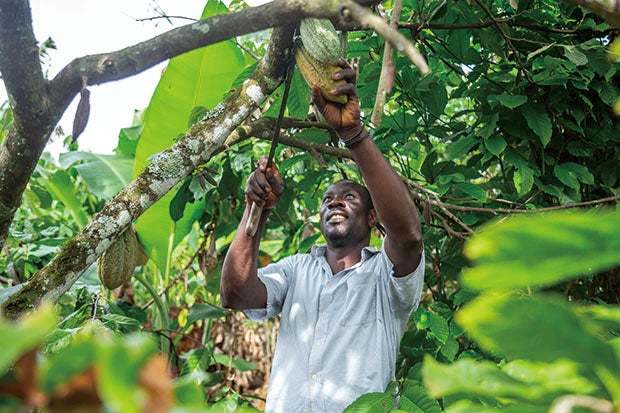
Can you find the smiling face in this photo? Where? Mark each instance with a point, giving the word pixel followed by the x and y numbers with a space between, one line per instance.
pixel 346 214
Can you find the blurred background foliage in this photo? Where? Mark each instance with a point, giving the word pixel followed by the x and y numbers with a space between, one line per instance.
pixel 515 118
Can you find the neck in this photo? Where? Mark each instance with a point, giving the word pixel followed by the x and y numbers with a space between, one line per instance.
pixel 342 257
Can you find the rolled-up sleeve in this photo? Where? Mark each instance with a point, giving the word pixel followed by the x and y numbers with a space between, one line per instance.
pixel 276 278
pixel 404 292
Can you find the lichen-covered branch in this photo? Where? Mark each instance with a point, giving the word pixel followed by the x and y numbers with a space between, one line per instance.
pixel 165 170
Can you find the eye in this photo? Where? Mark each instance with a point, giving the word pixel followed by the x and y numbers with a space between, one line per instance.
pixel 327 199
pixel 349 197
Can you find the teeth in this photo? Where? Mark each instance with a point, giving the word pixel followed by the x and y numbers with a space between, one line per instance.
pixel 336 218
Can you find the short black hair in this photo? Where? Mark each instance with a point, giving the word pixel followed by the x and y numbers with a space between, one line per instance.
pixel 362 189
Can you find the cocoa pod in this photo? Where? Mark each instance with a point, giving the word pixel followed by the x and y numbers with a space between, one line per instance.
pixel 317 73
pixel 118 262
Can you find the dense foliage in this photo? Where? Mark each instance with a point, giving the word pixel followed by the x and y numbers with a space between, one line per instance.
pixel 516 116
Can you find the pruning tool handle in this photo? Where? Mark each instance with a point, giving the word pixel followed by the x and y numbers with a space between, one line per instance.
pixel 251 225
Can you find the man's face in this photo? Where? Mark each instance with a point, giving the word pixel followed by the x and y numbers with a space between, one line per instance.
pixel 345 219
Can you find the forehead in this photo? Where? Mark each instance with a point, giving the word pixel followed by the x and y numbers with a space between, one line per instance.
pixel 341 187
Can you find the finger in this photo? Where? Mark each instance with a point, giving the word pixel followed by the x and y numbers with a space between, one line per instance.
pixel 275 179
pixel 255 197
pixel 318 99
pixel 343 63
pixel 262 164
pixel 344 89
pixel 261 180
pixel 346 74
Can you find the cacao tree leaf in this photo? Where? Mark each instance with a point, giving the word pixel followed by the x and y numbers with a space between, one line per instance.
pixel 25 335
pixel 298 102
pixel 203 311
pixel 495 144
pixel 513 327
pixel 190 80
pixel 539 249
pixel 523 179
pixel 538 120
pixel 416 392
pixel 239 364
pixel 371 403
pixel 575 55
pixel 510 101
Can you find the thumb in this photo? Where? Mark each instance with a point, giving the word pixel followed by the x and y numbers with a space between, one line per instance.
pixel 318 99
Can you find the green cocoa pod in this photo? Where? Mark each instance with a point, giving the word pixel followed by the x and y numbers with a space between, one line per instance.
pixel 321 40
pixel 318 73
pixel 118 262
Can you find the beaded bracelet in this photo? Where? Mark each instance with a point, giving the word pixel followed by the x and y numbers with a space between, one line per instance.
pixel 349 143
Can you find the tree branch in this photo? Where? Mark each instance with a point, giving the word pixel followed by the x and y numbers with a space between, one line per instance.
pixel 165 170
pixel 111 66
pixel 366 18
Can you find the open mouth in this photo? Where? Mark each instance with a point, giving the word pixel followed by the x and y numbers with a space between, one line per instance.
pixel 336 218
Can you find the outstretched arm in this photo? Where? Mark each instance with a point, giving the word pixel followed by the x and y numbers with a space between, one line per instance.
pixel 394 205
pixel 240 287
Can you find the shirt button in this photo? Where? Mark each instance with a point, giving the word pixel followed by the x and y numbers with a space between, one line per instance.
pixel 315 377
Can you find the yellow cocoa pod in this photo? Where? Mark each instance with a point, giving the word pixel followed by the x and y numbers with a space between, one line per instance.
pixel 117 264
pixel 321 40
pixel 317 73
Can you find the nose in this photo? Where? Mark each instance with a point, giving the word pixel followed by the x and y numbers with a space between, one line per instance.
pixel 335 202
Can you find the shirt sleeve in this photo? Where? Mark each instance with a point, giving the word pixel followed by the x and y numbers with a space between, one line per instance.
pixel 404 292
pixel 276 278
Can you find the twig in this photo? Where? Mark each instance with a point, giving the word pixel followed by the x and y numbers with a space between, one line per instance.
pixel 363 16
pixel 167 17
pixel 488 23
pixel 386 79
pixel 507 39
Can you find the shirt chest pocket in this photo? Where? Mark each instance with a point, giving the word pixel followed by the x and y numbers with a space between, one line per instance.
pixel 360 306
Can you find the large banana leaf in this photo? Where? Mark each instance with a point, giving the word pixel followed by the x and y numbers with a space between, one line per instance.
pixel 198 78
pixel 105 175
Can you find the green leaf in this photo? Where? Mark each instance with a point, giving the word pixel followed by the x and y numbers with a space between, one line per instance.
pixel 459 148
pixel 105 175
pixel 298 101
pixel 569 173
pixel 415 392
pixel 371 403
pixel 239 364
pixel 27 334
pixel 540 249
pixel 538 120
pixel 575 55
pixel 439 327
pixel 490 123
pixel 203 311
pixel 510 101
pixel 495 144
pixel 535 328
pixel 436 98
pixel 118 366
pixel 474 191
pixel 523 179
pixel 62 188
pixel 190 80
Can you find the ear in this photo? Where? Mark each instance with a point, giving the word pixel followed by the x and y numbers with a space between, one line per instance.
pixel 372 218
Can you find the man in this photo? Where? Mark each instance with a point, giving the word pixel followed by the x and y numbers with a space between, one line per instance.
pixel 344 307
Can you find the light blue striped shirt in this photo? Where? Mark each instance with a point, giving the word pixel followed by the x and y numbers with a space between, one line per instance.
pixel 339 333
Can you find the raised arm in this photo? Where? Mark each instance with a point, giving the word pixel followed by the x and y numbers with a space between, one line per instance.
pixel 392 201
pixel 240 287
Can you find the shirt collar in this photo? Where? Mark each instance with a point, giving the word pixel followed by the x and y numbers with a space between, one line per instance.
pixel 319 251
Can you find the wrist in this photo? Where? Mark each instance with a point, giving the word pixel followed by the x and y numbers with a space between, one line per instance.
pixel 354 140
